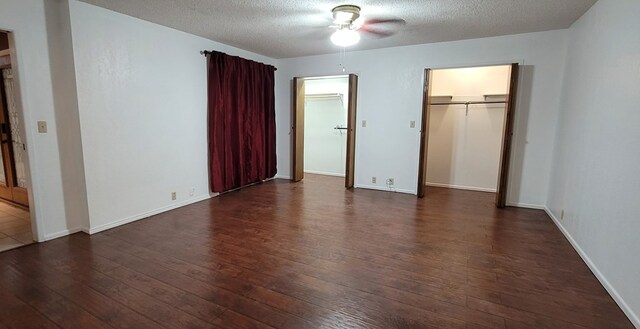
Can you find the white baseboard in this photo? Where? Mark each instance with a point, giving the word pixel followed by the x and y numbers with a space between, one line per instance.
pixel 62 233
pixel 282 177
pixel 384 188
pixel 323 173
pixel 525 205
pixel 594 269
pixel 462 187
pixel 146 214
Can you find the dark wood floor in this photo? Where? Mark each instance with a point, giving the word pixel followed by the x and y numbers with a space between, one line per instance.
pixel 312 255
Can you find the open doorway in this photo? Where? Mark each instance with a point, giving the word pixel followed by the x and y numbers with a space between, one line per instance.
pixel 15 220
pixel 324 112
pixel 467 126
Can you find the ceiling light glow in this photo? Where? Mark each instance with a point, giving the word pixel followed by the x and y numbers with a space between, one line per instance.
pixel 342 17
pixel 345 37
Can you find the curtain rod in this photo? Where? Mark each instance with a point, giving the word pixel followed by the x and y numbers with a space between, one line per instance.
pixel 207 52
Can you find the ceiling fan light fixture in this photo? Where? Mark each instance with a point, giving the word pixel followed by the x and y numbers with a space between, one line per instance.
pixel 345 37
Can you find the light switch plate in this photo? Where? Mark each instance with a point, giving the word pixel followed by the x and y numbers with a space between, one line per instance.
pixel 364 123
pixel 42 127
pixel 412 124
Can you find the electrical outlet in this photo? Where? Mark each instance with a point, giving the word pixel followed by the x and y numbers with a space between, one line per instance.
pixel 173 196
pixel 364 123
pixel 373 179
pixel 390 181
pixel 562 214
pixel 412 124
pixel 42 127
pixel 192 191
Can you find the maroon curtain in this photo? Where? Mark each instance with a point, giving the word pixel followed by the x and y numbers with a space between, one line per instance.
pixel 242 135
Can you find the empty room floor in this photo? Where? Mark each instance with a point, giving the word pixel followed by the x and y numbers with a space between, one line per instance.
pixel 15 227
pixel 312 255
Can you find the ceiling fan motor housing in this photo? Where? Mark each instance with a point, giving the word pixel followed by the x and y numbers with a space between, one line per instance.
pixel 345 14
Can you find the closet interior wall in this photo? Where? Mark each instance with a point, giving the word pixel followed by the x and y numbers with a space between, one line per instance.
pixel 465 140
pixel 325 120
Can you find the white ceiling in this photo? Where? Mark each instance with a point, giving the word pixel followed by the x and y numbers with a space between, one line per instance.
pixel 292 28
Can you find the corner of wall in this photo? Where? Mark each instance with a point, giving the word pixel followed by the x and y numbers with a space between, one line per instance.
pixel 594 269
pixel 66 112
pixel 555 148
pixel 591 164
pixel 143 215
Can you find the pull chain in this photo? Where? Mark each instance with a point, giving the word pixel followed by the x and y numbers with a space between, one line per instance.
pixel 342 57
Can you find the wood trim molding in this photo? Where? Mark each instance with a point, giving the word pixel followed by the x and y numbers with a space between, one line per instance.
pixel 424 133
pixel 351 131
pixel 507 139
pixel 297 129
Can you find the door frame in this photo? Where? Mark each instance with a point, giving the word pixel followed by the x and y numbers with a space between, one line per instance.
pixel 424 132
pixel 507 131
pixel 349 179
pixel 11 193
pixel 37 224
pixel 507 137
pixel 297 128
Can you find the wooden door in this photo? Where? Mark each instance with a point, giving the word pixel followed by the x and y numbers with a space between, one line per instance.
pixel 424 133
pixel 297 129
pixel 351 131
pixel 12 168
pixel 505 153
pixel 5 138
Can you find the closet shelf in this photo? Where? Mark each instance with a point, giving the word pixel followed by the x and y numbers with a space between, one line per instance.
pixel 442 97
pixel 488 99
pixel 495 97
pixel 467 103
pixel 334 95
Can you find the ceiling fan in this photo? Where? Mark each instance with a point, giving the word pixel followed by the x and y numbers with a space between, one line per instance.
pixel 346 21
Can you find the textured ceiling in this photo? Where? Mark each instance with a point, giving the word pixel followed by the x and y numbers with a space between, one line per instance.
pixel 292 28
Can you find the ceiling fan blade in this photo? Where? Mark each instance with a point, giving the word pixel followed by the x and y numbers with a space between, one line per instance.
pixel 319 27
pixel 377 33
pixel 387 21
pixel 315 33
pixel 382 27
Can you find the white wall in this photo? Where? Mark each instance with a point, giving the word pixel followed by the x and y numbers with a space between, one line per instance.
pixel 324 146
pixel 29 21
pixel 65 99
pixel 595 178
pixel 464 146
pixel 329 85
pixel 390 96
pixel 142 105
pixel 143 114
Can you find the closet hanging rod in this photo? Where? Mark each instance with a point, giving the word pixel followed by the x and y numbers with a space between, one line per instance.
pixel 469 103
pixel 466 104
